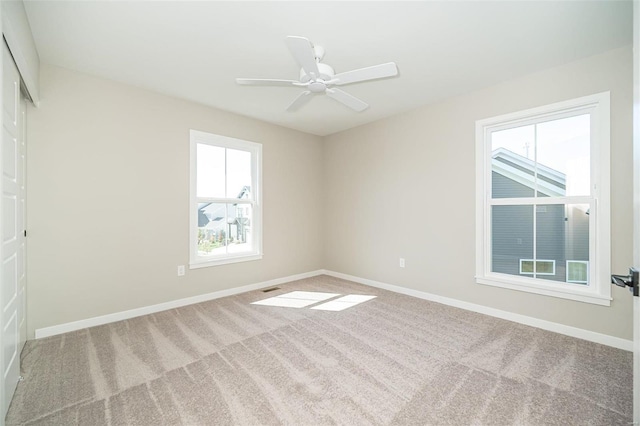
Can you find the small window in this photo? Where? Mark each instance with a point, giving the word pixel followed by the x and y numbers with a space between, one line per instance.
pixel 578 271
pixel 543 200
pixel 543 267
pixel 225 200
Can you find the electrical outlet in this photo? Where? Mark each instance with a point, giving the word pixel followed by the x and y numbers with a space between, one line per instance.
pixel 180 270
pixel 402 262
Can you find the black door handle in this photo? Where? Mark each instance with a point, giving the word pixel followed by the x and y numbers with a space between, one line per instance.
pixel 632 281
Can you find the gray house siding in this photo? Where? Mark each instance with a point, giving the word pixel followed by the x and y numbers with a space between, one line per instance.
pixel 512 239
pixel 550 238
pixel 512 229
pixel 503 187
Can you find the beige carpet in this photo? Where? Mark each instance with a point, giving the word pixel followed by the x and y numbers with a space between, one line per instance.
pixel 392 360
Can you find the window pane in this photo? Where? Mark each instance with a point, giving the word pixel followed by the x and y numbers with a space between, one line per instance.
pixel 512 162
pixel 224 228
pixel 562 235
pixel 563 155
pixel 545 267
pixel 239 227
pixel 210 181
pixel 212 229
pixel 238 173
pixel 511 238
pixel 526 266
pixel 552 157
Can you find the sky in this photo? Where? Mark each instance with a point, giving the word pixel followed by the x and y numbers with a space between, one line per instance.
pixel 212 173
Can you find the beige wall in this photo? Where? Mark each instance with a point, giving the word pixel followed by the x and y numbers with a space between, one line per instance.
pixel 405 187
pixel 108 196
pixel 108 191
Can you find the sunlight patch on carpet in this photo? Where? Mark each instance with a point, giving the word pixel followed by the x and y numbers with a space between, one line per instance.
pixel 343 302
pixel 302 299
pixel 296 299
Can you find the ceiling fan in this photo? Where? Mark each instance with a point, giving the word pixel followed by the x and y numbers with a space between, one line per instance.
pixel 316 77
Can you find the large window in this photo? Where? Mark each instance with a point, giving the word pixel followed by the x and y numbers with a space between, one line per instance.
pixel 543 200
pixel 225 200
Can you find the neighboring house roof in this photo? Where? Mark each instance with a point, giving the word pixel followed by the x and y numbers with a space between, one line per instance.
pixel 210 212
pixel 203 220
pixel 522 170
pixel 245 191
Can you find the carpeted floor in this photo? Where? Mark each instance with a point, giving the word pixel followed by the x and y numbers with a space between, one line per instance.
pixel 391 360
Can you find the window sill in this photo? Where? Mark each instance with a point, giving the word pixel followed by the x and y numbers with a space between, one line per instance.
pixel 204 263
pixel 563 293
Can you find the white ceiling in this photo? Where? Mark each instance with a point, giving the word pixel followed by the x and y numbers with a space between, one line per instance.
pixel 195 50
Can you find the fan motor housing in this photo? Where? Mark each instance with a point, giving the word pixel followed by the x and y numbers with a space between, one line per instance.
pixel 326 73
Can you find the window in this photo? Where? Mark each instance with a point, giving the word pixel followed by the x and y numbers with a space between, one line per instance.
pixel 225 200
pixel 578 271
pixel 542 203
pixel 542 267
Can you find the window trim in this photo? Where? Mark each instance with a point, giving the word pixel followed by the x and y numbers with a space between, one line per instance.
pixel 599 290
pixel 255 149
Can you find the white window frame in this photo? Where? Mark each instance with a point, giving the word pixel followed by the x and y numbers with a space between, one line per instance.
pixel 553 262
pixel 598 291
pixel 585 262
pixel 196 261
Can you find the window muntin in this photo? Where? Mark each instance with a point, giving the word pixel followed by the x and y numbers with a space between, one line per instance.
pixel 541 175
pixel 225 200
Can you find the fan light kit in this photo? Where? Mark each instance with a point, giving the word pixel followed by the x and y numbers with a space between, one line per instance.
pixel 316 77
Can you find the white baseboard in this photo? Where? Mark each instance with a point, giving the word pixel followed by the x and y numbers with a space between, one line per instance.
pixel 579 333
pixel 132 313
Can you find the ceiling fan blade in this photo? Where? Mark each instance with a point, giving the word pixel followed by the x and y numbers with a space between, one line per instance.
pixel 302 99
pixel 347 99
pixel 363 74
pixel 302 50
pixel 264 82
